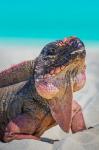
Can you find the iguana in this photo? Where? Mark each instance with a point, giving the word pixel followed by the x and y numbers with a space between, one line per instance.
pixel 45 97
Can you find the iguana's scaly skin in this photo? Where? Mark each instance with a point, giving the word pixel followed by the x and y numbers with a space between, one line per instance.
pixel 25 110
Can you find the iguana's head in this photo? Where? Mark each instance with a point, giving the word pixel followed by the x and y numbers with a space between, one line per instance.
pixel 59 65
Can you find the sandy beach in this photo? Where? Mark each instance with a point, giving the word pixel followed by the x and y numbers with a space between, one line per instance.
pixel 87 140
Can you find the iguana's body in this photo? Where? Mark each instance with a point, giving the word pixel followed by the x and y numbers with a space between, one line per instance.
pixel 26 111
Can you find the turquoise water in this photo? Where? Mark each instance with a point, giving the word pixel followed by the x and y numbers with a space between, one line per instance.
pixel 52 19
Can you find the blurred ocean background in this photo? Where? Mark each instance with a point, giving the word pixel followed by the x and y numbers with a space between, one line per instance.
pixel 26 26
pixel 49 19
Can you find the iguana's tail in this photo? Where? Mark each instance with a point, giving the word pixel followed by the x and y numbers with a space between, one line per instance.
pixel 16 73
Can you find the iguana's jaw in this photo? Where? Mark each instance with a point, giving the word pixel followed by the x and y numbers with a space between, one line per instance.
pixel 56 85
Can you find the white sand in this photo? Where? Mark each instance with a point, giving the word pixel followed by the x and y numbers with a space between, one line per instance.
pixel 87 140
pixel 10 55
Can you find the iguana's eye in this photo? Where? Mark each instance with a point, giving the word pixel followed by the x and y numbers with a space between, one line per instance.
pixel 51 51
pixel 48 51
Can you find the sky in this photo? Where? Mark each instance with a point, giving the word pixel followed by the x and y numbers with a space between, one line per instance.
pixel 49 19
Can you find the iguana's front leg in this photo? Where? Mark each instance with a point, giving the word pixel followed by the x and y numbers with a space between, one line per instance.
pixel 78 123
pixel 22 127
